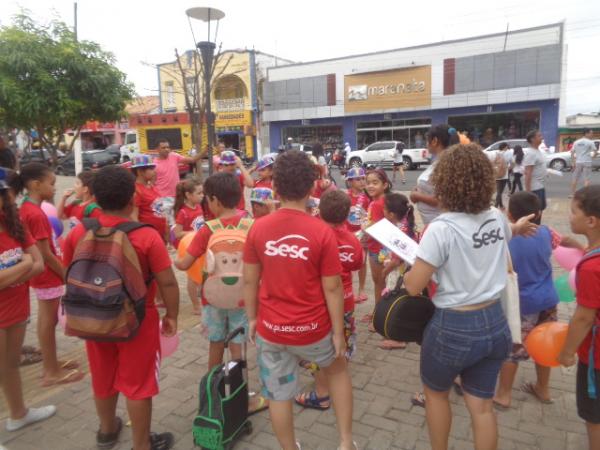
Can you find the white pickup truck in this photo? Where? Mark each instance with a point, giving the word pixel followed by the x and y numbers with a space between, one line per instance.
pixel 382 153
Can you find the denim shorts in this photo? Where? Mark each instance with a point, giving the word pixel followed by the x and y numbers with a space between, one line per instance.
pixel 472 344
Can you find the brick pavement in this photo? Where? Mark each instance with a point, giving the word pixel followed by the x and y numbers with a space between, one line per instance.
pixel 384 382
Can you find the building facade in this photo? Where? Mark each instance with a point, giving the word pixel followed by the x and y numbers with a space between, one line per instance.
pixel 235 98
pixel 497 86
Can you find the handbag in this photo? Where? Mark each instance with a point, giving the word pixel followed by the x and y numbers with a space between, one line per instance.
pixel 510 301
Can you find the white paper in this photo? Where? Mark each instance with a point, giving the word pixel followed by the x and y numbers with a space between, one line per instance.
pixel 557 173
pixel 390 236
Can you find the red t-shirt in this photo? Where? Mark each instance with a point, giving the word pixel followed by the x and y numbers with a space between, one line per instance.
pixel 148 244
pixel 374 215
pixel 38 225
pixel 263 184
pixel 295 251
pixel 14 300
pixel 358 210
pixel 588 285
pixel 242 202
pixel 149 205
pixel 76 212
pixel 351 258
pixel 190 219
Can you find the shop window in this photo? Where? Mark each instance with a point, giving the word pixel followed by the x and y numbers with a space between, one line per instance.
pixel 330 136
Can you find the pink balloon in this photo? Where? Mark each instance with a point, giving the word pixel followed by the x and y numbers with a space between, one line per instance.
pixel 62 319
pixel 572 279
pixel 49 209
pixel 567 258
pixel 168 345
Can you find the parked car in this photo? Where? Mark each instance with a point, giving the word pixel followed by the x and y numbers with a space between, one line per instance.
pixel 91 159
pixel 511 144
pixel 382 154
pixel 562 160
pixel 115 151
pixel 40 156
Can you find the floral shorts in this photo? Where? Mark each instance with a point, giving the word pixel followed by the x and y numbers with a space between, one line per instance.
pixel 528 323
pixel 49 293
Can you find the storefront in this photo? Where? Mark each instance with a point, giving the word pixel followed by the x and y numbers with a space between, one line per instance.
pixel 492 87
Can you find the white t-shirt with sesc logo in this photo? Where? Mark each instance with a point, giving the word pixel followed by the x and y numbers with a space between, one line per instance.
pixel 469 253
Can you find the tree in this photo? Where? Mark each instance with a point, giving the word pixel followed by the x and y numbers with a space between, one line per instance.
pixel 50 82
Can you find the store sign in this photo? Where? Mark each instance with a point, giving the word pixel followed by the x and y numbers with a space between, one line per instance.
pixel 233 119
pixel 230 104
pixel 391 89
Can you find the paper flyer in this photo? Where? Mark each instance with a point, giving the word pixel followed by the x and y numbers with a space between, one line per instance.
pixel 387 234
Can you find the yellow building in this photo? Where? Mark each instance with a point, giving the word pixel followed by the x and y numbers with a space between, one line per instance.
pixel 236 93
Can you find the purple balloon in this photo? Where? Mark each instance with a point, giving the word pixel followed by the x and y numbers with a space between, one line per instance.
pixel 57 225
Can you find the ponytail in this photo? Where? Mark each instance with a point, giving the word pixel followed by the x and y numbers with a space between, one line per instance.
pixel 29 172
pixel 183 187
pixel 399 205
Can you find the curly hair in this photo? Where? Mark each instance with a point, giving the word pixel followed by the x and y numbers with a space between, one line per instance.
pixel 464 179
pixel 293 175
pixel 334 207
pixel 114 187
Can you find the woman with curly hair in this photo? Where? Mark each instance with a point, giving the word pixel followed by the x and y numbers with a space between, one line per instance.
pixel 464 250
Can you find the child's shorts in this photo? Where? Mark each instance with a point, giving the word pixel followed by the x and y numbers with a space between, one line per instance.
pixel 218 323
pixel 278 364
pixel 49 293
pixel 587 408
pixel 528 323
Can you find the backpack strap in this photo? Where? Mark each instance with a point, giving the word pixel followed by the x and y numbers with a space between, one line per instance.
pixel 245 224
pixel 91 224
pixel 214 225
pixel 128 227
pixel 90 208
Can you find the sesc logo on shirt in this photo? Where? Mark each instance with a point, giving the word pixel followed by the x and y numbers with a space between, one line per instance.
pixel 487 234
pixel 345 255
pixel 284 248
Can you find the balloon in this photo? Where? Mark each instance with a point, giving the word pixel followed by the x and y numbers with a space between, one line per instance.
pixel 572 280
pixel 172 237
pixel 57 225
pixel 565 293
pixel 567 258
pixel 168 345
pixel 62 319
pixel 49 209
pixel 195 271
pixel 545 342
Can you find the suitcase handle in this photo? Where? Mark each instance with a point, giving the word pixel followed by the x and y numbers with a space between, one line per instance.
pixel 233 334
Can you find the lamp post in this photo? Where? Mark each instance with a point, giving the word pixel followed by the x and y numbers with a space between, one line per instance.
pixel 207 53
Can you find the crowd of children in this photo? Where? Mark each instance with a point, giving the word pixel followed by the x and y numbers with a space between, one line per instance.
pixel 286 277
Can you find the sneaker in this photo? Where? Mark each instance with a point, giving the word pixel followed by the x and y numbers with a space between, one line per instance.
pixel 105 441
pixel 162 441
pixel 33 415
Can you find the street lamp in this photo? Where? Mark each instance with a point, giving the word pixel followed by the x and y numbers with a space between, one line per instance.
pixel 207 52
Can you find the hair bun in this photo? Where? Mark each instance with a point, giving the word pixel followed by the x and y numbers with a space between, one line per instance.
pixel 451 130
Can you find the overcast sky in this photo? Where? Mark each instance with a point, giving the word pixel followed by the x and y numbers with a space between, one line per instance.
pixel 141 32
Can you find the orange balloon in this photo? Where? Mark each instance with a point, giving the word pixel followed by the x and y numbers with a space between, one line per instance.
pixel 195 270
pixel 545 342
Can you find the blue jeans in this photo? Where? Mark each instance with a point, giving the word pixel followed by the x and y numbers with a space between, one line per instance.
pixel 472 344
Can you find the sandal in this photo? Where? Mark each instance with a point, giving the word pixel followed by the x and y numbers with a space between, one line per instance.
pixel 361 299
pixel 262 404
pixel 418 399
pixel 310 400
pixel 105 441
pixel 389 344
pixel 30 349
pixel 367 318
pixel 69 364
pixel 30 358
pixel 71 377
pixel 529 388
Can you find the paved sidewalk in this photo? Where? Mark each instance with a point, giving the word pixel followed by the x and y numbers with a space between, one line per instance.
pixel 384 382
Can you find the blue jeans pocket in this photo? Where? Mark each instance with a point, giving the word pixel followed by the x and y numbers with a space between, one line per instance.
pixel 451 349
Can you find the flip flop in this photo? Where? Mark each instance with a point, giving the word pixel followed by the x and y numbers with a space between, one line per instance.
pixel 310 400
pixel 529 388
pixel 69 364
pixel 500 406
pixel 418 399
pixel 263 404
pixel 389 344
pixel 30 349
pixel 28 359
pixel 361 299
pixel 72 377
pixel 367 318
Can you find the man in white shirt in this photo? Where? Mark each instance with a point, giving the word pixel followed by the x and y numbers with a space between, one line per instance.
pixel 581 156
pixel 535 167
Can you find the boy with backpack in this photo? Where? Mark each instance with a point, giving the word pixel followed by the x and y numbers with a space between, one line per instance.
pixel 122 344
pixel 293 259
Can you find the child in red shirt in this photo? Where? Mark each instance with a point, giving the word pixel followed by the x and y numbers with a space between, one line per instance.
pixel 83 204
pixel 295 300
pixel 583 337
pixel 265 173
pixel 378 185
pixel 19 261
pixel 49 287
pixel 229 163
pixel 356 179
pixel 189 219
pixel 148 207
pixel 334 208
pixel 222 192
pixel 130 367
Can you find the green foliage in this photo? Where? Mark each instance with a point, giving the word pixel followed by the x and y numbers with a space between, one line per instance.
pixel 50 82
